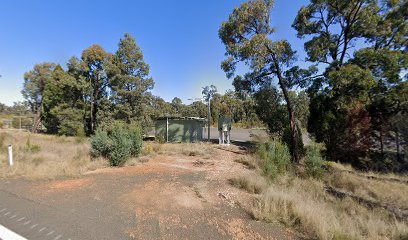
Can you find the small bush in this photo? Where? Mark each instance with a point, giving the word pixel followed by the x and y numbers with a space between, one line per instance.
pixel 101 144
pixel 121 148
pixel 314 161
pixel 118 144
pixel 275 158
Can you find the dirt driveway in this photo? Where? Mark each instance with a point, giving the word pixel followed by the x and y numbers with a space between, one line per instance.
pixel 169 197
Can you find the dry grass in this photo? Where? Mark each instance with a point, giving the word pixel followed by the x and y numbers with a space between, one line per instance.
pixel 248 161
pixel 38 156
pixel 384 176
pixel 251 182
pixel 390 193
pixel 203 150
pixel 304 205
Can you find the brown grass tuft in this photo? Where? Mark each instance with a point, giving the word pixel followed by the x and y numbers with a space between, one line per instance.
pixel 251 182
pixel 249 161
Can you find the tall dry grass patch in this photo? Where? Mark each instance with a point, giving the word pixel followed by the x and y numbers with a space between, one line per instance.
pixel 390 193
pixel 200 149
pixel 38 156
pixel 304 205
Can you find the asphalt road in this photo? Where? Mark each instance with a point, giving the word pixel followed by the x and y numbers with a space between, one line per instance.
pixel 59 218
pixel 237 134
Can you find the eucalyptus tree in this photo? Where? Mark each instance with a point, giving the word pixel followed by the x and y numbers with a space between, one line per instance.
pixel 361 44
pixel 33 89
pixel 94 65
pixel 247 38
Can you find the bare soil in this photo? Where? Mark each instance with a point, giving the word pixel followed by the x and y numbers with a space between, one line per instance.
pixel 168 197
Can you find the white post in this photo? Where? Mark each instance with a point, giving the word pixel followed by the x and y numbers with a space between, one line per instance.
pixel 10 153
pixel 167 129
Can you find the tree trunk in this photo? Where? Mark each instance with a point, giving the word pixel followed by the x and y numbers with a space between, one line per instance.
pixel 381 142
pixel 293 129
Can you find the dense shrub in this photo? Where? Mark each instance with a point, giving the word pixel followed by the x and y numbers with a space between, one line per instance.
pixel 314 161
pixel 136 138
pixel 121 148
pixel 275 158
pixel 118 143
pixel 101 144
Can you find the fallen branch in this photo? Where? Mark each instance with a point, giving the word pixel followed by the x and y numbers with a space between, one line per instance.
pixel 400 214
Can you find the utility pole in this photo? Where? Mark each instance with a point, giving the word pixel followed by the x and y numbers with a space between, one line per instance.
pixel 208 93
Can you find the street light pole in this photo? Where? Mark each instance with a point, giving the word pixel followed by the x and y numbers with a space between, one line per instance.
pixel 208 93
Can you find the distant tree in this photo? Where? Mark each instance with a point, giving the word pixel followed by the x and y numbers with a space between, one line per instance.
pixel 33 88
pixel 199 109
pixel 246 36
pixel 176 103
pixel 3 108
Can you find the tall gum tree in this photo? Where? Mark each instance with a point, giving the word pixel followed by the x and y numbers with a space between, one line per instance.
pixel 94 63
pixel 247 38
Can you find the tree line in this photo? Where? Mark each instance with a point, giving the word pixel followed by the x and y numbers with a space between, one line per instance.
pixel 100 87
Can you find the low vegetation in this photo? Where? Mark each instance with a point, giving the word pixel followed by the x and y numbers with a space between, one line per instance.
pixel 39 156
pixel 117 144
pixel 203 150
pixel 298 197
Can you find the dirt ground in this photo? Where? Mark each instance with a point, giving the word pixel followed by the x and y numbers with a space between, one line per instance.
pixel 168 197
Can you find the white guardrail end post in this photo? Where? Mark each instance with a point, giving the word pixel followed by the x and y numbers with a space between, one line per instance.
pixel 10 154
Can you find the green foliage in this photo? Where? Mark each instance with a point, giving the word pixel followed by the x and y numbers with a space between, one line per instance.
pixel 136 137
pixel 270 110
pixel 314 161
pixel 34 84
pixel 101 144
pixel 121 146
pixel 117 142
pixel 275 158
pixel 352 100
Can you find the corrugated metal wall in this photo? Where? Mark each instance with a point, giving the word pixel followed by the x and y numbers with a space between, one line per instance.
pixel 180 130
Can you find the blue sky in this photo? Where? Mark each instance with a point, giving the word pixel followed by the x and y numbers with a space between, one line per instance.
pixel 179 38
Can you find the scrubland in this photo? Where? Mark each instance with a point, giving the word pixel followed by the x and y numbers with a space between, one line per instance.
pixel 365 208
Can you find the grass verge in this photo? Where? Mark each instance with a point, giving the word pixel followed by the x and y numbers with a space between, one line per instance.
pixel 38 156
